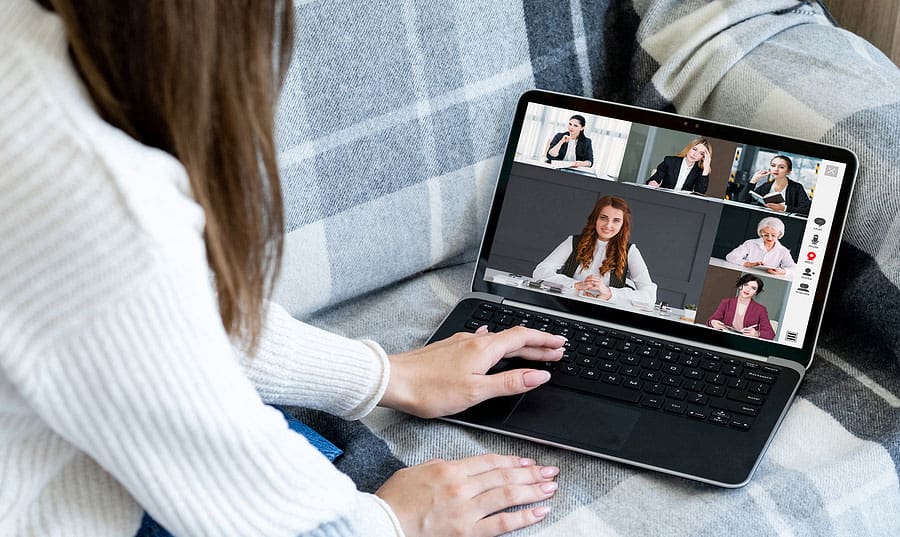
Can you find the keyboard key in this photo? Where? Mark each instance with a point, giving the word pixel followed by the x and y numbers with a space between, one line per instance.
pixel 590 374
pixel 484 315
pixel 697 398
pixel 586 361
pixel 732 370
pixel 694 374
pixel 718 420
pixel 715 391
pixel 670 357
pixel 588 350
pixel 651 401
pixel 487 306
pixel 630 359
pixel 676 393
pixel 689 361
pixel 696 414
pixel 715 378
pixel 630 371
pixel 709 365
pixel 655 389
pixel 732 406
pixel 737 384
pixel 770 369
pixel 741 424
pixel 609 367
pixel 607 354
pixel 567 369
pixel 743 397
pixel 633 384
pixel 611 378
pixel 694 386
pixel 652 376
pixel 675 407
pixel 584 337
pixel 599 388
pixel 672 369
pixel 756 387
pixel 720 414
pixel 650 363
pixel 474 325
pixel 671 380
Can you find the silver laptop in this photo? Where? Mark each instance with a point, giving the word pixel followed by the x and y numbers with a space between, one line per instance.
pixel 687 262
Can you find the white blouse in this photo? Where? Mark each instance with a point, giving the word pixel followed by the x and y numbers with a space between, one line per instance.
pixel 644 290
pixel 754 250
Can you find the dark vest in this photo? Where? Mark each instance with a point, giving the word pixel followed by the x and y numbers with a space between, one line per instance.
pixel 571 265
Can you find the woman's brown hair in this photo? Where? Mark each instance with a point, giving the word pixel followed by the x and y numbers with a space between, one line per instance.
pixel 617 248
pixel 200 80
pixel 702 141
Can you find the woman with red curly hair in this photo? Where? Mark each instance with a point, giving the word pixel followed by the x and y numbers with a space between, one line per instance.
pixel 601 262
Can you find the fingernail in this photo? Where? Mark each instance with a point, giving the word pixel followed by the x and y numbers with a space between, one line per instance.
pixel 527 462
pixel 540 512
pixel 481 329
pixel 535 378
pixel 549 487
pixel 549 471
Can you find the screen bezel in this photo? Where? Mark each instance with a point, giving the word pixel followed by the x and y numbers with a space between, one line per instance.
pixel 700 334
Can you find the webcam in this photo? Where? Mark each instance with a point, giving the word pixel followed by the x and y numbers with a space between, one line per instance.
pixel 819 221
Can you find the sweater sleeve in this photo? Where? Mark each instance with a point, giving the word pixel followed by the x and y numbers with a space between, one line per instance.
pixel 148 386
pixel 301 365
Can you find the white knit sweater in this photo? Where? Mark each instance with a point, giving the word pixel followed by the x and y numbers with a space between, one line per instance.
pixel 119 389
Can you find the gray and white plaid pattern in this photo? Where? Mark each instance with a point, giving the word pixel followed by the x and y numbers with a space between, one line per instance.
pixel 390 130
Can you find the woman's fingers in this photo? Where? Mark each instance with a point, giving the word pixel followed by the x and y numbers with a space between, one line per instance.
pixel 506 522
pixel 538 354
pixel 519 337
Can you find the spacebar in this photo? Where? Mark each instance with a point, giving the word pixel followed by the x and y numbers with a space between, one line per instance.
pixel 595 386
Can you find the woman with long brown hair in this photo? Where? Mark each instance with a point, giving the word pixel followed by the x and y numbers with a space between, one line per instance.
pixel 601 262
pixel 140 233
pixel 688 170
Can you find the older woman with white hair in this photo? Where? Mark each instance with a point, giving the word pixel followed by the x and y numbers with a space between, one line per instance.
pixel 766 251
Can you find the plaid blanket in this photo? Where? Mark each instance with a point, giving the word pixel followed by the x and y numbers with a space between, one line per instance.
pixel 390 129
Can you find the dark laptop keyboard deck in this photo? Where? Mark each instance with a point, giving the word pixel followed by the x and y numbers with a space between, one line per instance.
pixel 651 373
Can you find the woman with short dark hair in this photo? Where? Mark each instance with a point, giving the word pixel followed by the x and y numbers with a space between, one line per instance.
pixel 743 314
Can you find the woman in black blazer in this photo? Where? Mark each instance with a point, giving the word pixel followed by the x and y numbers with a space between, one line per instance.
pixel 688 170
pixel 795 198
pixel 559 146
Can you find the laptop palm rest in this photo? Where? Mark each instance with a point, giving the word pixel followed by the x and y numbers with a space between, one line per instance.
pixel 574 418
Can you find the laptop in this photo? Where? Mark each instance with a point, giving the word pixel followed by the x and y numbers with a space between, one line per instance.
pixel 685 354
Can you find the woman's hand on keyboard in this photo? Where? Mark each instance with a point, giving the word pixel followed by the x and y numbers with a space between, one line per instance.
pixel 448 376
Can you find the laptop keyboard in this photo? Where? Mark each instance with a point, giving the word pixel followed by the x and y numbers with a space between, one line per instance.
pixel 651 373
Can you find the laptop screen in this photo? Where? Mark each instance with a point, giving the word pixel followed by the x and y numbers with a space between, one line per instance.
pixel 690 228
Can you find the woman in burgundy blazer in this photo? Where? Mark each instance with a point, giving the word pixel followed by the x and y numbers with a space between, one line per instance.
pixel 743 314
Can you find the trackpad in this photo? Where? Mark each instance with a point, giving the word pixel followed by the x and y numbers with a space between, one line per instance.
pixel 574 418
